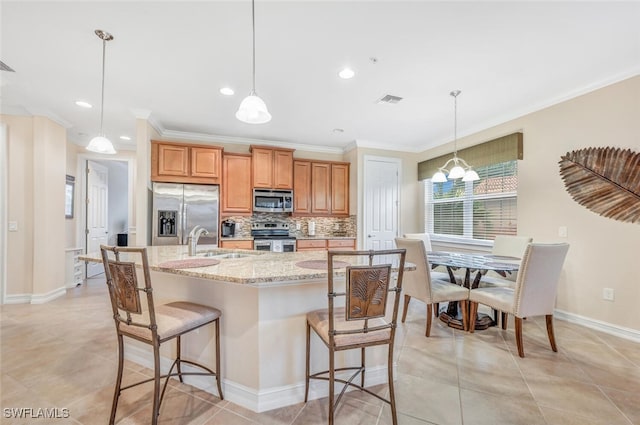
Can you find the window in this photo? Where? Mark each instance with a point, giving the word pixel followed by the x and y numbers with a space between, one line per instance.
pixel 474 210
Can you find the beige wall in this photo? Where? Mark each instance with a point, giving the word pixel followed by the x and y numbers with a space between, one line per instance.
pixel 603 252
pixel 72 170
pixel 37 158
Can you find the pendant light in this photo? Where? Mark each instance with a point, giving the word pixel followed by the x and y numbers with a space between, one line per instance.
pixel 100 143
pixel 253 110
pixel 467 174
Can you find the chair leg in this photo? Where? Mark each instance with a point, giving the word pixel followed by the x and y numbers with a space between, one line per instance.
pixel 436 310
pixel 552 338
pixel 407 298
pixel 392 394
pixel 178 350
pixel 519 336
pixel 429 314
pixel 156 384
pixel 332 379
pixel 218 378
pixel 362 360
pixel 473 312
pixel 504 319
pixel 116 394
pixel 307 355
pixel 464 305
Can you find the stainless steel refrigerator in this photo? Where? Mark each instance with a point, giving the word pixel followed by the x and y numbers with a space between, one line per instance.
pixel 178 208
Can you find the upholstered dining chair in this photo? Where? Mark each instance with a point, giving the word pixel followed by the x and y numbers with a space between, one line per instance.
pixel 508 246
pixel 140 319
pixel 362 322
pixel 426 240
pixel 421 285
pixel 534 293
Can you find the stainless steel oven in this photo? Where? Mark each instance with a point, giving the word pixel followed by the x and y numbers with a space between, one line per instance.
pixel 272 237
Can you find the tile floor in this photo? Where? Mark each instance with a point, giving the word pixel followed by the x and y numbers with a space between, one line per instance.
pixel 61 354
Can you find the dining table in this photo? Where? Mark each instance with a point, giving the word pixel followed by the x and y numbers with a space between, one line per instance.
pixel 476 265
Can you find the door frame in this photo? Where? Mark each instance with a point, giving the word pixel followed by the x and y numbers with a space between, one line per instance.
pixel 4 209
pixel 366 164
pixel 81 179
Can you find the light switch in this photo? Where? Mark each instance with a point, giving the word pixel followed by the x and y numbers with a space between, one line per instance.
pixel 562 231
pixel 13 226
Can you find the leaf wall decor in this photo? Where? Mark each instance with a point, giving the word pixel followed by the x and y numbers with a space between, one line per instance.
pixel 605 181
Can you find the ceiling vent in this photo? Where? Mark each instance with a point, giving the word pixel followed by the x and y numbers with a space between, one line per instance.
pixel 5 67
pixel 389 98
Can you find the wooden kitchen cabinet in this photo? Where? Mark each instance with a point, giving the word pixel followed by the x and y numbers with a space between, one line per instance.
pixel 346 244
pixel 340 189
pixel 185 163
pixel 237 195
pixel 301 187
pixel 272 167
pixel 232 244
pixel 311 244
pixel 320 188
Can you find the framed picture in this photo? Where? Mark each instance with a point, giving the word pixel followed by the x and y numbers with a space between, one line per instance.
pixel 69 192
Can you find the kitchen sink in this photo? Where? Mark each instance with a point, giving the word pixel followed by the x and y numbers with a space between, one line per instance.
pixel 223 255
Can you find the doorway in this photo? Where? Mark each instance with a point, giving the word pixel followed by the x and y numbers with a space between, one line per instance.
pixel 4 177
pixel 107 205
pixel 381 201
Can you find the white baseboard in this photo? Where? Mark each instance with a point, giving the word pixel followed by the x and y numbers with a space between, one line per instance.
pixel 619 331
pixel 251 398
pixel 35 298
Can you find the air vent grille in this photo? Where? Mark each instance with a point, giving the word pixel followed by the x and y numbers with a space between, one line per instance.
pixel 5 67
pixel 389 98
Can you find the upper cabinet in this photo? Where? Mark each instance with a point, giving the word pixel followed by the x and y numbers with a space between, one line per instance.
pixel 321 188
pixel 272 167
pixel 236 184
pixel 184 163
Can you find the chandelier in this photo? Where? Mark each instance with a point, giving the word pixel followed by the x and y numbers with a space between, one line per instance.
pixel 460 167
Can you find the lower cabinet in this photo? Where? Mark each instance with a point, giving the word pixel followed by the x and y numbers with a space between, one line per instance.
pixel 323 244
pixel 247 244
pixel 74 267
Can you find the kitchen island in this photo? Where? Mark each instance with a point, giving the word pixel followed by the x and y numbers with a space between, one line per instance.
pixel 264 298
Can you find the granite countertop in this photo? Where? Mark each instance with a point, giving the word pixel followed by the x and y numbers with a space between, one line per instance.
pixel 255 268
pixel 324 237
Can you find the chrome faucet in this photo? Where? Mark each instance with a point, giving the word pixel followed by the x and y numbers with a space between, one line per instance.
pixel 192 239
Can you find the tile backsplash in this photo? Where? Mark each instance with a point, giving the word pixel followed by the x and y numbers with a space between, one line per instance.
pixel 325 226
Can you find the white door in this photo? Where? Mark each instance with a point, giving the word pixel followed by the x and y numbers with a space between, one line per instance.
pixel 381 201
pixel 97 203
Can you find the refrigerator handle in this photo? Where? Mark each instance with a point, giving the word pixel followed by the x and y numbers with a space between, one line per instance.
pixel 181 223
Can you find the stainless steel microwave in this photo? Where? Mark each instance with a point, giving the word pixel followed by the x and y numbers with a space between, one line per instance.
pixel 266 200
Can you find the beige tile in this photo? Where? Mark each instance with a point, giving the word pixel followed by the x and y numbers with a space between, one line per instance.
pixel 428 400
pixel 574 397
pixel 349 412
pixel 562 417
pixel 281 416
pixel 480 408
pixel 422 364
pixel 488 378
pixel 627 402
pixel 226 417
pixel 620 378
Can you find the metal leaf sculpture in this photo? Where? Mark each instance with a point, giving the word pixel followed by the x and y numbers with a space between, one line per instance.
pixel 605 181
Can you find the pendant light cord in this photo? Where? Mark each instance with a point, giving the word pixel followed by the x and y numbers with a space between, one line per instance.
pixel 104 48
pixel 455 94
pixel 253 26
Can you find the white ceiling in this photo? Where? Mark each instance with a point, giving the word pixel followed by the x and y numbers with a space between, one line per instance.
pixel 170 59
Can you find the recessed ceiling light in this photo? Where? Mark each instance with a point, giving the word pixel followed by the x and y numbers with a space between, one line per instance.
pixel 346 73
pixel 125 137
pixel 83 104
pixel 227 91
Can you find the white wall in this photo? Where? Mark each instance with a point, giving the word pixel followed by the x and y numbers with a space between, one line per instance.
pixel 118 213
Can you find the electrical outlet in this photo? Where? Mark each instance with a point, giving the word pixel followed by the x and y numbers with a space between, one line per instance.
pixel 13 226
pixel 608 294
pixel 298 225
pixel 562 231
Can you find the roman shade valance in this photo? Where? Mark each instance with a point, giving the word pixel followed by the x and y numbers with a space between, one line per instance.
pixel 502 149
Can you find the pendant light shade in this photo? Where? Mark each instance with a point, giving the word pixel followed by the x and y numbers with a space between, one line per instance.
pixel 253 110
pixel 460 168
pixel 100 144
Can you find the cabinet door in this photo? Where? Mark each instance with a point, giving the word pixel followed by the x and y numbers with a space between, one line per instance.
pixel 340 189
pixel 320 187
pixel 311 244
pixel 173 160
pixel 262 167
pixel 282 169
pixel 302 187
pixel 236 184
pixel 206 162
pixel 347 244
pixel 237 244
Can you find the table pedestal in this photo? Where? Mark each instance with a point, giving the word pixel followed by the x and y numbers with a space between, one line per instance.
pixel 453 317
